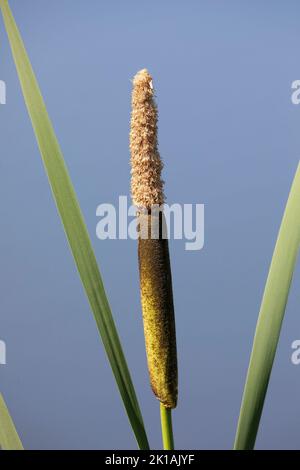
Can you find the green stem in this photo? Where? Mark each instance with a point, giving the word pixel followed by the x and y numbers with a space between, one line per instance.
pixel 166 427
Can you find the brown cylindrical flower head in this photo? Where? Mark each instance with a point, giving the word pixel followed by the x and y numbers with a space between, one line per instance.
pixel 146 164
pixel 158 310
pixel 153 252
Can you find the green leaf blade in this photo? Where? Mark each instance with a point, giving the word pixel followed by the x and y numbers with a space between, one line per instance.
pixel 270 320
pixel 9 438
pixel 73 223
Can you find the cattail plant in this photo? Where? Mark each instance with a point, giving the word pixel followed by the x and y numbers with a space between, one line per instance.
pixel 154 264
pixel 153 252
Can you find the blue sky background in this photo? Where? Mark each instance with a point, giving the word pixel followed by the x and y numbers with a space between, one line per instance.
pixel 229 136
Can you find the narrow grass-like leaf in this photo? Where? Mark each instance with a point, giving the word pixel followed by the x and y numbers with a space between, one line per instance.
pixel 270 320
pixel 9 439
pixel 73 223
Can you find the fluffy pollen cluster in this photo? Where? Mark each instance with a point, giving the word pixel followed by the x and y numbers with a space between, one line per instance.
pixel 146 164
